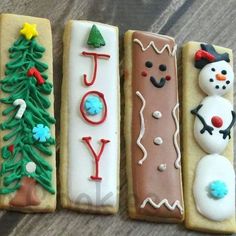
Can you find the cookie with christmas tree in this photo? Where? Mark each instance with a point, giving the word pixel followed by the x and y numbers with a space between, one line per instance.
pixel 27 126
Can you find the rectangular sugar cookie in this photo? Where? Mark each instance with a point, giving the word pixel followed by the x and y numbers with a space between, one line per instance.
pixel 152 128
pixel 28 168
pixel 209 181
pixel 90 116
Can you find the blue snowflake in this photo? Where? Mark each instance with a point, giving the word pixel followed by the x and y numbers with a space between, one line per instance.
pixel 93 105
pixel 41 133
pixel 218 189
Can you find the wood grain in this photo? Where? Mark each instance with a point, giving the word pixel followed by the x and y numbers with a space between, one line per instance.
pixel 203 20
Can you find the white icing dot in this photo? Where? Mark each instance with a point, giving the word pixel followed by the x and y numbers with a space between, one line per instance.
pixel 30 167
pixel 162 167
pixel 158 140
pixel 157 114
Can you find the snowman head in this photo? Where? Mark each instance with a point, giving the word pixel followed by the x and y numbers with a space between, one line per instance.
pixel 216 75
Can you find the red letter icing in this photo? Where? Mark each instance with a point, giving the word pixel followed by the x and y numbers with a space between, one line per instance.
pixel 101 95
pixel 96 157
pixel 95 58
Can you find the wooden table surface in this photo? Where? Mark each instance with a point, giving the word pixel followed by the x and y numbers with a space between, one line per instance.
pixel 211 21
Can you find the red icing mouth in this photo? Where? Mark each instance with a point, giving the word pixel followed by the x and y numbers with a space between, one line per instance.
pixel 217 121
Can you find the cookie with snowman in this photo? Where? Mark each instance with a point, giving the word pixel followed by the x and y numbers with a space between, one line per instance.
pixel 208 119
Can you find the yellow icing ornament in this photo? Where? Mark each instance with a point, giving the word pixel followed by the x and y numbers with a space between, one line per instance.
pixel 29 30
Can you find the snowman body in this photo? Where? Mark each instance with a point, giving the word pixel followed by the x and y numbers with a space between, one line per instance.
pixel 211 168
pixel 214 183
pixel 216 111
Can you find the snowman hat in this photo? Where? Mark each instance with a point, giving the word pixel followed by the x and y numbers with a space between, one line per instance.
pixel 207 54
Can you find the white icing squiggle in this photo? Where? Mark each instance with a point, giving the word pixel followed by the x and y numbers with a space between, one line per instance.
pixel 164 202
pixel 142 129
pixel 166 46
pixel 177 162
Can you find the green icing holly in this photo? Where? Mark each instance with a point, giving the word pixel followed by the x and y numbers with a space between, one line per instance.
pixel 95 38
pixel 24 148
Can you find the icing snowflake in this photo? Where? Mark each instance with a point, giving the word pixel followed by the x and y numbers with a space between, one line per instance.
pixel 218 189
pixel 41 133
pixel 93 105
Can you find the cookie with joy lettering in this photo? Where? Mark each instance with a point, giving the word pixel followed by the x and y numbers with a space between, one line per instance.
pixel 90 116
pixel 152 128
pixel 27 124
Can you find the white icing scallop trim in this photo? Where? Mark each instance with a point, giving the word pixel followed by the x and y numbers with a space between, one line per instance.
pixel 177 162
pixel 142 129
pixel 164 202
pixel 159 51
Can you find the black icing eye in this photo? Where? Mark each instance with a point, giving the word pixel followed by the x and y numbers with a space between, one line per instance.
pixel 148 64
pixel 223 72
pixel 162 67
pixel 213 69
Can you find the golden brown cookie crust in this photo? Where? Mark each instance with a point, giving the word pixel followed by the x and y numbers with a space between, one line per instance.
pixel 10 26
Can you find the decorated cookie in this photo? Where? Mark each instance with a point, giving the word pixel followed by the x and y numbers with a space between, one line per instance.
pixel 153 153
pixel 28 169
pixel 90 114
pixel 209 173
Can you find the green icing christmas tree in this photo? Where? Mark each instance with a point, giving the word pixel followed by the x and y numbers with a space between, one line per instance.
pixel 27 136
pixel 95 38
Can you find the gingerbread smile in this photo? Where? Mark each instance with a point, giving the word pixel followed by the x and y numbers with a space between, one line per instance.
pixel 159 84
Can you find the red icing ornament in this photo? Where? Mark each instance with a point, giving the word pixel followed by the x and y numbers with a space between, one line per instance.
pixel 168 77
pixel 97 157
pixel 217 121
pixel 144 73
pixel 11 148
pixel 95 58
pixel 204 54
pixel 34 72
pixel 101 95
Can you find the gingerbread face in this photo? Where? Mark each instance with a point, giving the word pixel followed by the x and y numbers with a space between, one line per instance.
pixel 156 66
pixel 159 77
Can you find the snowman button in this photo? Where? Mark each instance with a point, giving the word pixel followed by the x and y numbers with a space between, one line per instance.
pixel 217 121
pixel 218 189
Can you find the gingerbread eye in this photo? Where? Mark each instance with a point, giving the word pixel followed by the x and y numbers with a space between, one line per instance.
pixel 148 64
pixel 162 67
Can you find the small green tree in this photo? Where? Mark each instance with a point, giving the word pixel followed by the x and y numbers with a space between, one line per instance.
pixel 28 137
pixel 95 38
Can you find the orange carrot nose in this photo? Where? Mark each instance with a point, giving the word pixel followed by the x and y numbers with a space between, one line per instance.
pixel 220 77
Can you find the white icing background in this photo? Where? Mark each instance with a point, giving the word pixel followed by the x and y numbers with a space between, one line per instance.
pixel 81 162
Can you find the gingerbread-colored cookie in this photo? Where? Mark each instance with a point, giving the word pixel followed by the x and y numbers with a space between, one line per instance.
pixel 152 128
